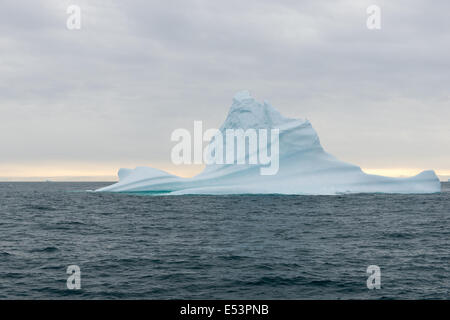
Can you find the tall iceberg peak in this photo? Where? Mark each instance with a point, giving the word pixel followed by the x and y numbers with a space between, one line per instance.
pixel 304 166
pixel 242 95
pixel 246 112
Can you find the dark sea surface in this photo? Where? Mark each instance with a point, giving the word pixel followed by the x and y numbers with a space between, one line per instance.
pixel 211 247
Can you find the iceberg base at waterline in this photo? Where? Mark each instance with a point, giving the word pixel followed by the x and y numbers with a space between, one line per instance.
pixel 304 167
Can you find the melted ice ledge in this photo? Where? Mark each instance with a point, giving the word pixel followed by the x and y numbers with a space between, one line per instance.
pixel 304 166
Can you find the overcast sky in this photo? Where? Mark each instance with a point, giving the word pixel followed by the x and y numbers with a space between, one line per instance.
pixel 88 101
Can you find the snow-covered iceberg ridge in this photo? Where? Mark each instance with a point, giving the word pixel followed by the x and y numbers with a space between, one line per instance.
pixel 304 166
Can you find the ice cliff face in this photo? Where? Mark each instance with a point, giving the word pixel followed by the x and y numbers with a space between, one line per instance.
pixel 304 166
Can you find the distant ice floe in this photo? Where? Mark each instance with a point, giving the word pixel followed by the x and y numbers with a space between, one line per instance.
pixel 304 166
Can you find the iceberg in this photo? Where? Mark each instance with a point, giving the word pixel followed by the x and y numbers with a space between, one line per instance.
pixel 305 168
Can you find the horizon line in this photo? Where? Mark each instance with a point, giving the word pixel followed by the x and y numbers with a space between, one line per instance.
pixel 115 178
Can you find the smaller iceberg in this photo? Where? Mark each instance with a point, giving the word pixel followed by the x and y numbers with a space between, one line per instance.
pixel 304 167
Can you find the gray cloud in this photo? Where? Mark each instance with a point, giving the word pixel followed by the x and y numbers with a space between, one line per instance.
pixel 137 70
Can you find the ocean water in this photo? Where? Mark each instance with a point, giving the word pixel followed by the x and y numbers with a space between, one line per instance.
pixel 221 247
